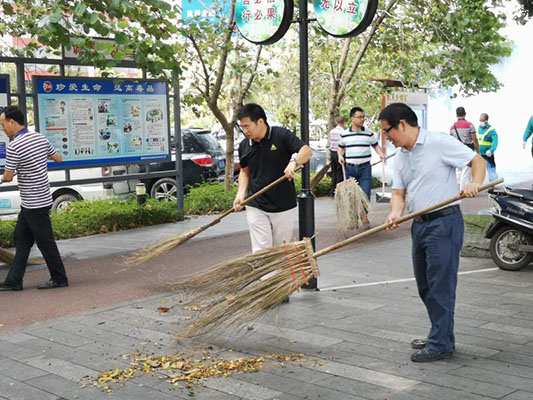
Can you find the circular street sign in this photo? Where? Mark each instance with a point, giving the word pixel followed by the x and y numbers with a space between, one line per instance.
pixel 263 21
pixel 345 18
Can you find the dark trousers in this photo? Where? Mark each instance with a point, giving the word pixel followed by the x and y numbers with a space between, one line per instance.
pixel 363 174
pixel 34 226
pixel 436 247
pixel 336 171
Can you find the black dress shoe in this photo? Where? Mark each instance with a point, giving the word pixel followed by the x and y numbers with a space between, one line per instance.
pixel 427 355
pixel 4 287
pixel 52 285
pixel 419 344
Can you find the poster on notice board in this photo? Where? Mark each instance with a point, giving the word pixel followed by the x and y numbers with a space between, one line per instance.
pixel 97 121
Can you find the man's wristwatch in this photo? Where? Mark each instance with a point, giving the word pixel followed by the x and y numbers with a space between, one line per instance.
pixel 293 158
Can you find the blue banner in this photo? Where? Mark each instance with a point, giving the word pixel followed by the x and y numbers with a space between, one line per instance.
pixel 206 10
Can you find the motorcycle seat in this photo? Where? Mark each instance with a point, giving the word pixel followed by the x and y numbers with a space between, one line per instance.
pixel 526 193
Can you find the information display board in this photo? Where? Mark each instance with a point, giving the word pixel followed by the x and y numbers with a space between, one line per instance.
pixel 4 101
pixel 97 121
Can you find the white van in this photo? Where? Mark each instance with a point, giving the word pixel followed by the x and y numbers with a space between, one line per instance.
pixel 63 195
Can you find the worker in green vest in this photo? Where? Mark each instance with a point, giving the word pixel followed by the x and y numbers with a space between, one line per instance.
pixel 488 141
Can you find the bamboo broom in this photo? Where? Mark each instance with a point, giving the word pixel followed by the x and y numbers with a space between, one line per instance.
pixel 165 245
pixel 351 203
pixel 240 290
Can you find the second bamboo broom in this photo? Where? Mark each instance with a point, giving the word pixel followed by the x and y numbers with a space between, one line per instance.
pixel 240 290
pixel 351 203
pixel 165 245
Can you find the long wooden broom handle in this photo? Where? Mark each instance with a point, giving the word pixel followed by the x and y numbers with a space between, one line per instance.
pixel 398 221
pixel 253 196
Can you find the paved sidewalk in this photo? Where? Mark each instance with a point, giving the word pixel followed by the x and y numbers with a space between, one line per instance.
pixel 355 331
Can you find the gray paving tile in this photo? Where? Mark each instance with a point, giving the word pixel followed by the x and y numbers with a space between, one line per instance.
pixel 68 389
pixel 519 395
pixel 18 370
pixel 309 391
pixel 366 390
pixel 14 390
pixel 512 329
pixel 58 336
pixel 17 352
pixel 373 377
pixel 438 392
pixel 241 389
pixel 302 336
pixel 61 367
pixel 503 378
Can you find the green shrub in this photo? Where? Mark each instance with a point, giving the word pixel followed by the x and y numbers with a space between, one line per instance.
pixel 83 218
pixel 209 198
pixel 477 223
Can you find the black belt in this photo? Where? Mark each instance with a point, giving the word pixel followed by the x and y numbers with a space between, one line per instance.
pixel 437 214
pixel 358 165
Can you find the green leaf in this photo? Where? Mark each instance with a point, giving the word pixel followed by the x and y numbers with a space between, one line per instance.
pixel 93 18
pixel 8 9
pixel 56 16
pixel 80 8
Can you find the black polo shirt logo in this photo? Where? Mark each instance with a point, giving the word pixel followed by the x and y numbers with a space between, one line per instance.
pixel 273 147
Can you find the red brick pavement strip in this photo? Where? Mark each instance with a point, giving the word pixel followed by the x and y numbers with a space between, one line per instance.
pixel 105 281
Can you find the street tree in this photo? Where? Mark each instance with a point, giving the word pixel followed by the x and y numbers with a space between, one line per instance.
pixel 152 33
pixel 421 43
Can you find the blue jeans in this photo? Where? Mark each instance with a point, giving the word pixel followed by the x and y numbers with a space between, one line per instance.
pixel 363 174
pixel 491 167
pixel 436 248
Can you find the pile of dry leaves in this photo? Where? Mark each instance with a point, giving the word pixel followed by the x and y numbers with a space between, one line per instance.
pixel 178 368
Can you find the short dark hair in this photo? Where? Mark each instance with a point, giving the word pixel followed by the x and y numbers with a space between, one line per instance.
pixel 485 115
pixel 252 111
pixel 14 113
pixel 460 112
pixel 395 112
pixel 354 110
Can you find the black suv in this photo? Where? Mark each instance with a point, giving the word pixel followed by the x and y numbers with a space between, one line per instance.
pixel 203 160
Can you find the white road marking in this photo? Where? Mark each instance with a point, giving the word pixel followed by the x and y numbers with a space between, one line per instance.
pixel 358 285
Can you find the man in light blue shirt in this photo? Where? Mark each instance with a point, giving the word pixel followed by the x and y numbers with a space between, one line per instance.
pixel 424 175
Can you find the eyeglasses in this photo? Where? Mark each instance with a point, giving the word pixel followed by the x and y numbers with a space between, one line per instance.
pixel 386 131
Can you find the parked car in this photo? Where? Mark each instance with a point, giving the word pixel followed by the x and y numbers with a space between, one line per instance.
pixel 203 160
pixel 63 195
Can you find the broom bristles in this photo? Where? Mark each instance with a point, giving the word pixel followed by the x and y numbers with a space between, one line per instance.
pixel 240 290
pixel 351 204
pixel 161 247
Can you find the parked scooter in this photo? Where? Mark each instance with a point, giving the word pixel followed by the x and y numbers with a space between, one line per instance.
pixel 511 233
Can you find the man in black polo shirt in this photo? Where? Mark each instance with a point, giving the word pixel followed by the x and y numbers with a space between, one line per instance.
pixel 265 155
pixel 27 155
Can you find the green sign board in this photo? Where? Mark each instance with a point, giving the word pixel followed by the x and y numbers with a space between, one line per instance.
pixel 345 18
pixel 263 21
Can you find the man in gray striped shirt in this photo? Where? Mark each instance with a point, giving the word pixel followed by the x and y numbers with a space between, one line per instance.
pixel 354 152
pixel 27 155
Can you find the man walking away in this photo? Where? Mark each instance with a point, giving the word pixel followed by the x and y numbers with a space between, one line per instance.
pixel 354 152
pixel 424 175
pixel 488 142
pixel 465 132
pixel 27 155
pixel 267 153
pixel 334 136
pixel 527 134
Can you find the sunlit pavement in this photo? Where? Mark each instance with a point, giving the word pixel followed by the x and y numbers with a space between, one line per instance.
pixel 355 331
